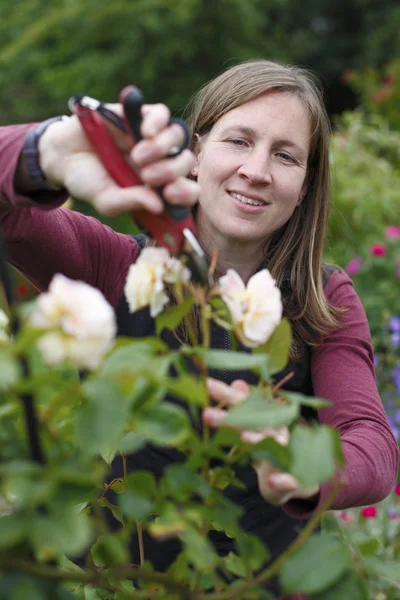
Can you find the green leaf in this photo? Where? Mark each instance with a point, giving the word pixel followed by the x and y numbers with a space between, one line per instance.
pixel 318 564
pixel 115 510
pixel 171 318
pixel 131 442
pixel 135 358
pixel 235 564
pixel 135 506
pixel 367 544
pixel 350 587
pixel 189 388
pixel 313 452
pixel 12 530
pixel 230 361
pixel 101 419
pixel 142 482
pixel 256 412
pixel 199 550
pixel 384 568
pixel 305 400
pixel 165 425
pixel 277 347
pixel 252 550
pixel 109 551
pixel 271 451
pixel 62 530
pixel 183 483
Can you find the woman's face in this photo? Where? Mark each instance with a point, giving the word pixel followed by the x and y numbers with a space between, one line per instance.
pixel 252 168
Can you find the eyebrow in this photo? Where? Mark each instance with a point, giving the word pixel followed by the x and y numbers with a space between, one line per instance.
pixel 249 131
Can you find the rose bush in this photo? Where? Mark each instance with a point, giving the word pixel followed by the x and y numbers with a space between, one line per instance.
pixel 54 464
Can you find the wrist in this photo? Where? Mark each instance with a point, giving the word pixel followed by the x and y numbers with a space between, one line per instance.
pixel 37 157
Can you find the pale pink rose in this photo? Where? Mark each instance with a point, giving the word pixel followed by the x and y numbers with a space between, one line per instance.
pixel 80 322
pixel 392 232
pixel 354 265
pixel 3 327
pixel 256 309
pixel 147 277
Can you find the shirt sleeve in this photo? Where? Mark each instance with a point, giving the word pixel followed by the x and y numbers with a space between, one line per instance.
pixel 43 240
pixel 342 371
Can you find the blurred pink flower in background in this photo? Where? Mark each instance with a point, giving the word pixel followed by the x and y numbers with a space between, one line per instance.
pixel 354 266
pixel 369 512
pixel 378 249
pixel 392 232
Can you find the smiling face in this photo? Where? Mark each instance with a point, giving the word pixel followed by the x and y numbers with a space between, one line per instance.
pixel 252 169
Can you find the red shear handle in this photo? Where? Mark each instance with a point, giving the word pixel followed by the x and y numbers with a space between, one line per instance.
pixel 165 230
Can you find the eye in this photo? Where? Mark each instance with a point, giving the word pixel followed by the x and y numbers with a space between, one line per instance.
pixel 286 157
pixel 236 142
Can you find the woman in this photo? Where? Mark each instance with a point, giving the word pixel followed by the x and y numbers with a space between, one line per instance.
pixel 260 158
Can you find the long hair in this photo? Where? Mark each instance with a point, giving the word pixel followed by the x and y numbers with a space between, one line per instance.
pixel 294 253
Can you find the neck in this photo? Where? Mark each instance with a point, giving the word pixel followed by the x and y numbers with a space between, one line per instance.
pixel 243 256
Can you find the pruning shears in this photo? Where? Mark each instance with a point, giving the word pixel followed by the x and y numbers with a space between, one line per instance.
pixel 174 228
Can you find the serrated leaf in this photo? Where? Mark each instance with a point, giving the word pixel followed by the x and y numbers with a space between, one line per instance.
pixel 256 412
pixel 313 402
pixel 277 347
pixel 101 419
pixel 387 569
pixel 171 318
pixel 271 451
pixel 189 388
pixel 115 510
pixel 12 530
pixel 198 549
pixel 134 506
pixel 141 482
pixel 231 361
pixel 350 587
pixel 108 551
pixel 165 424
pixel 300 575
pixel 313 451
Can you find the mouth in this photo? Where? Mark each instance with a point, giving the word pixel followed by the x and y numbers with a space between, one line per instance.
pixel 250 200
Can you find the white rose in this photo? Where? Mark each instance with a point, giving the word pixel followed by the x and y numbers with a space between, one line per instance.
pixel 256 309
pixel 81 323
pixel 3 327
pixel 146 278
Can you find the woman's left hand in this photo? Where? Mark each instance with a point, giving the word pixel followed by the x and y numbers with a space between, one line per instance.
pixel 277 487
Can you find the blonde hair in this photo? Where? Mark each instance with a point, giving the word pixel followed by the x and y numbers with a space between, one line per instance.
pixel 294 253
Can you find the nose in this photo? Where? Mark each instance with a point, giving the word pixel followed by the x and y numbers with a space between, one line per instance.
pixel 256 167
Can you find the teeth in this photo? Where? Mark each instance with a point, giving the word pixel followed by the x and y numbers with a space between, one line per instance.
pixel 246 200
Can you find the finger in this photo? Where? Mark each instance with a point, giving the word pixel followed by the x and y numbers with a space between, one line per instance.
pixel 165 171
pixel 115 200
pixel 155 118
pixel 281 435
pixel 283 482
pixel 213 417
pixel 223 393
pixel 159 146
pixel 182 191
pixel 241 385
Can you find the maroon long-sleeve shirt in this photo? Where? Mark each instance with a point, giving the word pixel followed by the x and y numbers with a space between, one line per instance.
pixel 43 240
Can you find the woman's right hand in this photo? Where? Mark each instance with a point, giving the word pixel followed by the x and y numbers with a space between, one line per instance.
pixel 68 159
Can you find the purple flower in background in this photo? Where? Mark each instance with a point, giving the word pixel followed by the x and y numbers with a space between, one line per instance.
pixel 394 327
pixel 394 324
pixel 376 361
pixel 394 426
pixel 354 266
pixel 396 377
